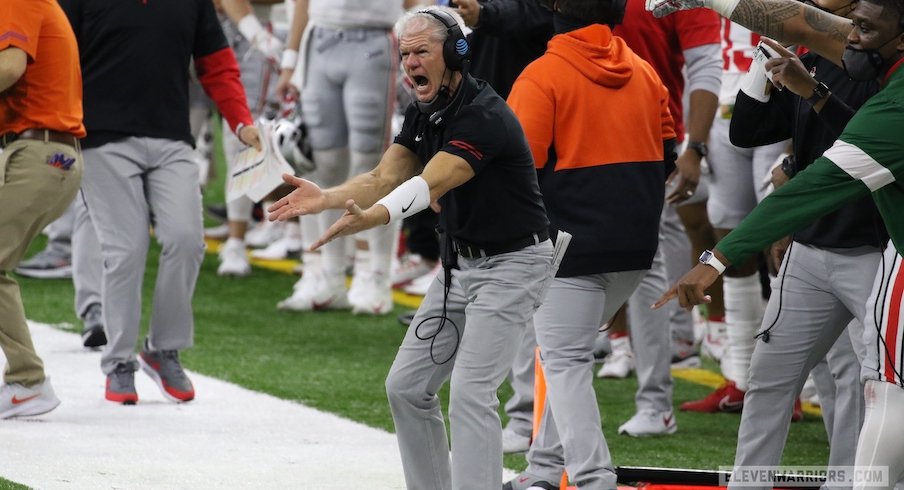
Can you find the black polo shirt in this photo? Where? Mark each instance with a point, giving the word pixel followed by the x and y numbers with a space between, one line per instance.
pixel 502 202
pixel 135 57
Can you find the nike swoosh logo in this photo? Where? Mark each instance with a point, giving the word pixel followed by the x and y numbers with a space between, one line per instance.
pixel 667 419
pixel 728 406
pixel 418 137
pixel 523 479
pixel 406 208
pixel 17 401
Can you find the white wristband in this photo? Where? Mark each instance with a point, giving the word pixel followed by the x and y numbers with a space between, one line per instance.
pixel 250 27
pixel 755 84
pixel 407 199
pixel 724 7
pixel 709 258
pixel 289 59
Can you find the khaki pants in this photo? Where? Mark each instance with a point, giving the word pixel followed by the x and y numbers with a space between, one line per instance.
pixel 33 192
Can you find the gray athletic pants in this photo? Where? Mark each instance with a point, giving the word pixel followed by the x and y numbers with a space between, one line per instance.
pixel 520 407
pixel 129 186
pixel 66 235
pixel 651 340
pixel 491 300
pixel 87 263
pixel 676 255
pixel 820 291
pixel 59 232
pixel 567 326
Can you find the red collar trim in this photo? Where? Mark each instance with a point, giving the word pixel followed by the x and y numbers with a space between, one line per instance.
pixel 892 70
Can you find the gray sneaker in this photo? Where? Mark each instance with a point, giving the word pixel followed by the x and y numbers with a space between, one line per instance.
pixel 47 264
pixel 93 330
pixel 527 482
pixel 121 385
pixel 164 368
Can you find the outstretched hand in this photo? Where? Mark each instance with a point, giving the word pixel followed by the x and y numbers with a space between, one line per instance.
pixel 354 220
pixel 691 289
pixel 307 198
pixel 661 8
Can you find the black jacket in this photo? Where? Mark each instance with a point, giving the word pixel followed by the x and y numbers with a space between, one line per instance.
pixel 509 35
pixel 785 115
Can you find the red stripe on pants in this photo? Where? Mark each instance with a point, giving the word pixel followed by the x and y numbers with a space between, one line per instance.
pixel 891 332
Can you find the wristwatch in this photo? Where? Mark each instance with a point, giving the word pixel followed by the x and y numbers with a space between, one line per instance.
pixel 789 166
pixel 820 91
pixel 699 147
pixel 709 258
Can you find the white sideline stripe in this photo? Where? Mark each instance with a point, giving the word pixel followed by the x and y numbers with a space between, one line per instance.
pixel 859 165
pixel 229 437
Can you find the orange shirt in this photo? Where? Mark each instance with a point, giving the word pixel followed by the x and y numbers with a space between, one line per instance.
pixel 49 93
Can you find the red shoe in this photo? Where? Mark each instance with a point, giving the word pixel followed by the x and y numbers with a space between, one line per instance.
pixel 798 413
pixel 726 398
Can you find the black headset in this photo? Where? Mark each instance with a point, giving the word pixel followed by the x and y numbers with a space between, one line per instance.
pixel 456 48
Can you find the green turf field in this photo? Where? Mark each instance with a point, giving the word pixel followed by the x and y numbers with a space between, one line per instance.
pixel 337 362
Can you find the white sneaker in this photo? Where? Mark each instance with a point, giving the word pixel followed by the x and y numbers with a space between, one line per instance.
pixel 420 285
pixel 513 442
pixel 19 401
pixel 233 259
pixel 714 340
pixel 264 233
pixel 279 250
pixel 684 355
pixel 618 365
pixel 370 295
pixel 219 232
pixel 650 423
pixel 408 268
pixel 808 393
pixel 317 291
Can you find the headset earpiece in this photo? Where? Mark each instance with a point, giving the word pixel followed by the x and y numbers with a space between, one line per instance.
pixel 456 48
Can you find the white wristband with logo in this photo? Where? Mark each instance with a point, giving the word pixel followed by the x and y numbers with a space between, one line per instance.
pixel 407 199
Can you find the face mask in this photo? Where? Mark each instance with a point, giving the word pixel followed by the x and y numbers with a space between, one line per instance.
pixel 864 64
pixel 861 65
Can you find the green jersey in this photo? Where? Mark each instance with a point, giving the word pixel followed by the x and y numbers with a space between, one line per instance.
pixel 867 158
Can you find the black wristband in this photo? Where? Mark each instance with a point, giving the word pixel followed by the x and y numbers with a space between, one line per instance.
pixel 699 147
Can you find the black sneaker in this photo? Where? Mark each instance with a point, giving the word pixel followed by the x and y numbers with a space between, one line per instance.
pixel 93 330
pixel 164 368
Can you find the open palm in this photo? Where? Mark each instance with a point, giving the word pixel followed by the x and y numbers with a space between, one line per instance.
pixel 307 198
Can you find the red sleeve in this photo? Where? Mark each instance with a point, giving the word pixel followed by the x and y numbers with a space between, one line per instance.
pixel 219 75
pixel 697 27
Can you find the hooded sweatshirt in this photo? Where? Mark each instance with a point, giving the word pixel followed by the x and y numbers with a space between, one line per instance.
pixel 597 121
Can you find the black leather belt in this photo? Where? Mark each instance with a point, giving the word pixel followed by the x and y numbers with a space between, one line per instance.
pixel 40 134
pixel 469 251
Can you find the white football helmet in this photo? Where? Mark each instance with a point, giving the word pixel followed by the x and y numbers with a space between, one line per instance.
pixel 290 143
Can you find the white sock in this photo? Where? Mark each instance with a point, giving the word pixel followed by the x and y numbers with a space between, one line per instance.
pixel 743 315
pixel 621 344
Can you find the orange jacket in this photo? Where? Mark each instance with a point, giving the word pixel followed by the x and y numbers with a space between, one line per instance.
pixel 597 121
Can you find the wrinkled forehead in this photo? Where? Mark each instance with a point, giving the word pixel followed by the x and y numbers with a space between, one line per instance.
pixel 418 33
pixel 420 25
